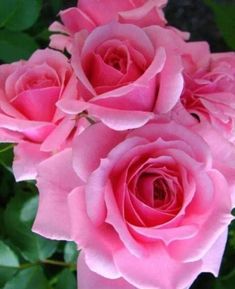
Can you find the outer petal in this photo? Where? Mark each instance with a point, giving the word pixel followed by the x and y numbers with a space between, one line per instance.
pixel 145 15
pixel 86 158
pixel 114 118
pixel 88 279
pixel 196 247
pixel 27 157
pixel 99 12
pixel 35 130
pixel 52 220
pixel 213 258
pixel 157 270
pixel 99 243
pixel 223 153
pixel 172 131
pixel 57 137
pixel 54 59
pixel 19 124
pixel 171 84
pixel 75 20
pixel 7 136
pixel 60 41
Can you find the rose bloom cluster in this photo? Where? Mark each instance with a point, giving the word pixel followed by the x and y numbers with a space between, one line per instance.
pixel 131 139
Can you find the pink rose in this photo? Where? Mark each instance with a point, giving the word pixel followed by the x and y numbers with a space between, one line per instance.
pixel 91 14
pixel 209 93
pixel 126 74
pixel 29 91
pixel 147 206
pixel 208 103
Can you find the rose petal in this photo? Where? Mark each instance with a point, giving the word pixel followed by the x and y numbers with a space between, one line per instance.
pixel 166 235
pixel 171 84
pixel 52 219
pixel 146 15
pixel 37 104
pixel 86 158
pixel 142 82
pixel 115 218
pixel 173 131
pixel 75 20
pixel 7 136
pixel 157 270
pixel 195 248
pixel 88 279
pixel 99 243
pixel 96 205
pixel 101 72
pixel 58 136
pixel 113 118
pixel 99 12
pixel 34 130
pixel 213 258
pixel 27 158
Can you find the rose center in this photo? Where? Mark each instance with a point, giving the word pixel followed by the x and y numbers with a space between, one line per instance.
pixel 115 63
pixel 160 188
pixel 158 193
pixel 117 58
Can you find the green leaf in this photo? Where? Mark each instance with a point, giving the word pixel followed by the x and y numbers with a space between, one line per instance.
pixel 56 5
pixel 70 252
pixel 227 281
pixel 224 16
pixel 1 222
pixel 8 263
pixel 43 35
pixel 7 257
pixel 15 45
pixel 18 219
pixel 218 285
pixel 7 9
pixel 6 155
pixel 29 209
pixel 27 279
pixel 25 15
pixel 7 189
pixel 66 279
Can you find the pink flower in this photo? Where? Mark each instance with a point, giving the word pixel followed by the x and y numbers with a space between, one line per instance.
pixel 147 206
pixel 91 14
pixel 209 93
pixel 29 91
pixel 207 105
pixel 126 74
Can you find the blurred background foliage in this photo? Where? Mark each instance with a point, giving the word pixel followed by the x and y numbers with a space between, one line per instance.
pixel 26 259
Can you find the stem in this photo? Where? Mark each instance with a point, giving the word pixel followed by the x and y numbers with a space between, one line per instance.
pixel 46 262
pixel 57 263
pixel 27 265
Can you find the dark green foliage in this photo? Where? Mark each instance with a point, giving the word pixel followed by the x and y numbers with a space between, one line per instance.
pixel 18 219
pixel 225 19
pixel 26 259
pixel 28 278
